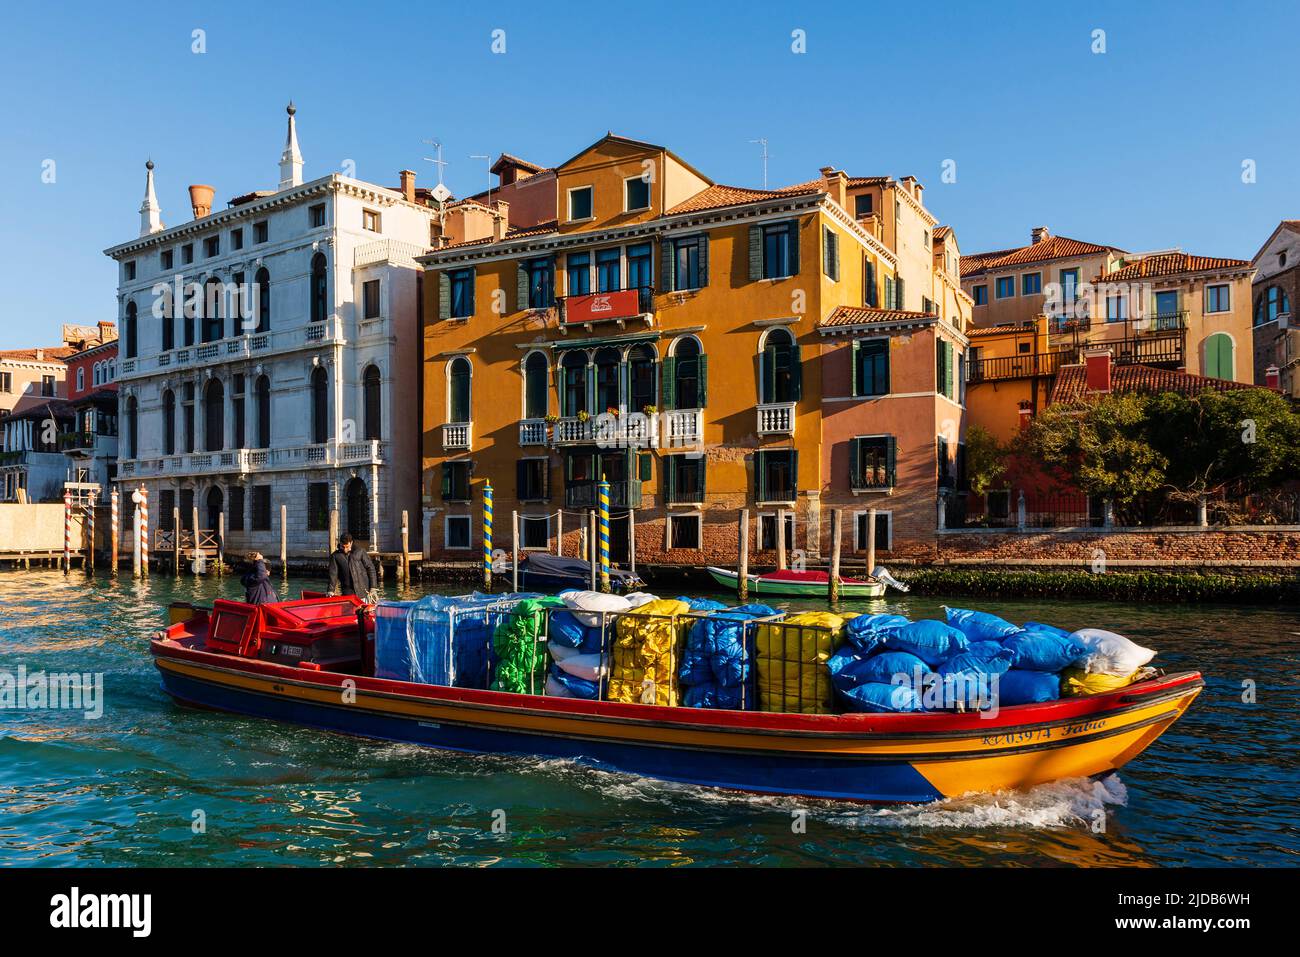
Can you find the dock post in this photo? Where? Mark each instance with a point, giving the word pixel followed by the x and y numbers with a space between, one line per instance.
pixel 487 535
pixel 559 532
pixel 221 541
pixel 144 532
pixel 780 539
pixel 194 522
pixel 284 540
pixel 334 531
pixel 837 534
pixel 591 546
pixel 67 531
pixel 90 546
pixel 631 539
pixel 514 551
pixel 871 540
pixel 113 530
pixel 603 514
pixel 176 541
pixel 135 537
pixel 406 548
pixel 742 567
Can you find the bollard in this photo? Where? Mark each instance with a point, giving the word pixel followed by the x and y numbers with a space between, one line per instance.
pixel 405 574
pixel 221 542
pixel 837 534
pixel 67 532
pixel 514 551
pixel 603 524
pixel 176 542
pixel 871 540
pixel 194 524
pixel 780 538
pixel 559 533
pixel 591 548
pixel 113 531
pixel 487 535
pixel 284 540
pixel 90 545
pixel 135 537
pixel 144 532
pixel 742 568
pixel 631 540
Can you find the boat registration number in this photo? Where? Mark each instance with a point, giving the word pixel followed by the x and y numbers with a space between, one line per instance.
pixel 1042 734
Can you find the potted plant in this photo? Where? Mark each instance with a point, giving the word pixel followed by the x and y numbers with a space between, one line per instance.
pixel 584 415
pixel 649 409
pixel 612 410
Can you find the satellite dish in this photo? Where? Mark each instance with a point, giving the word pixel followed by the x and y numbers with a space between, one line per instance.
pixel 441 193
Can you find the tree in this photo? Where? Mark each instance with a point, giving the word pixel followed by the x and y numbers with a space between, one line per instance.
pixel 986 459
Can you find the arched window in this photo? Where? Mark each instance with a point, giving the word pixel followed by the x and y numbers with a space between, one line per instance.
pixel 214 503
pixel 132 428
pixel 370 383
pixel 169 422
pixel 358 509
pixel 214 416
pixel 1218 362
pixel 607 369
pixel 81 377
pixel 319 298
pixel 780 379
pixel 167 307
pixel 536 404
pixel 642 376
pixel 573 384
pixel 1271 303
pixel 458 400
pixel 213 293
pixel 263 283
pixel 263 390
pixel 132 343
pixel 320 429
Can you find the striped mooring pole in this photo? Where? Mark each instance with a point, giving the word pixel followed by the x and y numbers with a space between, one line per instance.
pixel 487 535
pixel 113 530
pixel 603 533
pixel 90 536
pixel 144 531
pixel 67 531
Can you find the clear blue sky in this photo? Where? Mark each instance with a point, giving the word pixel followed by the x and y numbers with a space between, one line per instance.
pixel 1140 147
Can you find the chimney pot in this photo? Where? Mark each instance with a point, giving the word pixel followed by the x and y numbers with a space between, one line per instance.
pixel 1097 370
pixel 201 199
pixel 500 220
pixel 1273 377
pixel 408 184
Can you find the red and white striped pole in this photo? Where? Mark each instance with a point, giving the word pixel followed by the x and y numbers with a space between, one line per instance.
pixel 144 531
pixel 67 531
pixel 113 531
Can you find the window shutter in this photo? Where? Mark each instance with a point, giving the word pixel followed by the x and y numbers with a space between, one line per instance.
pixel 521 294
pixel 947 370
pixel 624 391
pixel 767 375
pixel 644 464
pixel 794 247
pixel 473 282
pixel 899 299
pixel 702 473
pixel 669 389
pixel 704 260
pixel 444 295
pixel 755 253
pixel 796 373
pixel 855 462
pixel 794 483
pixel 670 477
pixel 521 478
pixel 889 292
pixel 446 480
pixel 853 375
pixel 760 478
pixel 869 292
pixel 891 450
pixel 702 379
pixel 832 255
pixel 666 263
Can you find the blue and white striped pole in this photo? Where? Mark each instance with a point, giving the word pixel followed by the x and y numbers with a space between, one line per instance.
pixel 603 519
pixel 487 535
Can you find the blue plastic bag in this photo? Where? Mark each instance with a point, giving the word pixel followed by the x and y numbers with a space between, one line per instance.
pixel 873 696
pixel 702 604
pixel 578 687
pixel 1044 651
pixel 985 649
pixel 867 632
pixel 979 625
pixel 934 642
pixel 1050 629
pixel 889 667
pixel 565 629
pixel 1028 687
pixel 968 664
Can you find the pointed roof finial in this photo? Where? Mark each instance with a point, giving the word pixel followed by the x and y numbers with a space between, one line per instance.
pixel 150 211
pixel 291 158
pixel 291 109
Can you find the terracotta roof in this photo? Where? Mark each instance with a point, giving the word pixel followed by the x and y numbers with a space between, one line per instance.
pixel 1054 247
pixel 539 230
pixel 941 232
pixel 1171 264
pixel 863 315
pixel 509 159
pixel 1072 382
pixel 999 330
pixel 53 354
pixel 718 196
pixel 821 184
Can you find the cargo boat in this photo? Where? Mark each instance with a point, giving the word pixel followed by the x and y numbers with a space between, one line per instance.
pixel 307 662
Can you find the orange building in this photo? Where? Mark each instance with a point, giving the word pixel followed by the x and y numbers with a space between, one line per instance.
pixel 672 334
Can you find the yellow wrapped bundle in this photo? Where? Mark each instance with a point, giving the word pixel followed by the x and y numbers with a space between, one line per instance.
pixel 647 649
pixel 1076 681
pixel 792 675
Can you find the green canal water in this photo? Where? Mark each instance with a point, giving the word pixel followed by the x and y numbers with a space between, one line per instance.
pixel 1222 787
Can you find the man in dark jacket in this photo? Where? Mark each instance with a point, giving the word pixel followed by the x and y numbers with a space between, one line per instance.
pixel 351 570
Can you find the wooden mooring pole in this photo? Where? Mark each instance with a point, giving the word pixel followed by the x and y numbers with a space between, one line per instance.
pixel 742 568
pixel 176 541
pixel 591 546
pixel 871 540
pixel 780 539
pixel 837 535
pixel 514 551
pixel 406 548
pixel 284 540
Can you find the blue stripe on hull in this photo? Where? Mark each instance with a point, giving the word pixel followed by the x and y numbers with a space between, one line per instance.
pixel 812 777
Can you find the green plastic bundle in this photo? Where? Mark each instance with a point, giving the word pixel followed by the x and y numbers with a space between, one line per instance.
pixel 522 659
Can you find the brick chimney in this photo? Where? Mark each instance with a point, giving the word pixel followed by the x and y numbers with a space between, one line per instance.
pixel 408 184
pixel 500 220
pixel 201 200
pixel 836 183
pixel 1038 234
pixel 1026 414
pixel 107 330
pixel 1097 370
pixel 1273 377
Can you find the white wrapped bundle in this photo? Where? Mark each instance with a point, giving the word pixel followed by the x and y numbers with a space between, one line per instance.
pixel 1109 653
pixel 587 605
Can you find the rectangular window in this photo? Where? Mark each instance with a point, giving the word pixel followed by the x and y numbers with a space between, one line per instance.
pixel 455 481
pixel 532 475
pixel 535 532
pixel 1031 284
pixel 831 254
pixel 462 293
pixel 236 509
pixel 187 253
pixel 318 506
pixel 456 531
pixel 862 205
pixel 1217 299
pixel 370 220
pixel 636 193
pixel 945 464
pixel 767 532
pixel 541 282
pixel 212 246
pixel 261 508
pixel 236 239
pixel 981 295
pixel 370 299
pixel 687 254
pixel 777 261
pixel 871 367
pixel 167 257
pixel 47 385
pixel 1116 308
pixel 317 215
pixel 580 203
pixel 1069 285
pixel 870 288
pixel 579 270
pixel 1006 287
pixel 6 382
pixel 129 269
pixel 871 462
pixel 639 271
pixel 775 473
pixel 684 479
pixel 884 531
pixel 261 231
pixel 167 509
pixel 684 531
pixel 609 270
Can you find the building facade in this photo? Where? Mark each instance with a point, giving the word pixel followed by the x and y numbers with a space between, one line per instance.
pixel 268 355
pixel 672 335
pixel 91 445
pixel 1275 336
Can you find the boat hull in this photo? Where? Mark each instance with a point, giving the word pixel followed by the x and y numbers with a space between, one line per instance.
pixel 759 585
pixel 855 757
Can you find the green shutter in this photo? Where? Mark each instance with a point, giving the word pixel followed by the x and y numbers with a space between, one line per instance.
pixel 702 379
pixel 473 283
pixel 755 253
pixel 796 373
pixel 668 392
pixel 702 474
pixel 794 247
pixel 760 478
pixel 521 288
pixel 855 461
pixel 446 480
pixel 666 266
pixel 891 456
pixel 899 299
pixel 832 253
pixel 704 260
pixel 644 464
pixel 869 292
pixel 767 375
pixel 670 478
pixel 624 390
pixel 794 481
pixel 889 292
pixel 948 369
pixel 444 295
pixel 853 365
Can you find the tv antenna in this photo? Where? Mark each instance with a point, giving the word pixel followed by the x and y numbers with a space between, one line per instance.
pixel 763 142
pixel 488 160
pixel 440 192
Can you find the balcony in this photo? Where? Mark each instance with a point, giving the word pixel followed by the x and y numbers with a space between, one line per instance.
pixel 244 461
pixel 625 494
pixel 681 428
pixel 877 478
pixel 776 418
pixel 532 432
pixel 234 348
pixel 1000 368
pixel 457 435
pixel 571 430
pixel 82 441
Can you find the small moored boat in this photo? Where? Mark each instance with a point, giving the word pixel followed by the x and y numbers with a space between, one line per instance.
pixel 310 662
pixel 793 584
